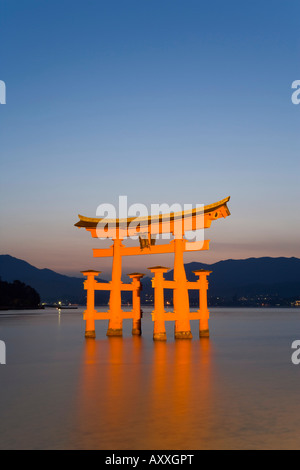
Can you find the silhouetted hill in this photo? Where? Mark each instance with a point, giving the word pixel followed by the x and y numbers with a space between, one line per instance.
pixel 17 295
pixel 230 280
pixel 250 276
pixel 50 285
pixel 250 279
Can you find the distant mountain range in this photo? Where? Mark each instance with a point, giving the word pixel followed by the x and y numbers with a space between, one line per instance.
pixel 50 285
pixel 230 280
pixel 253 281
pixel 253 276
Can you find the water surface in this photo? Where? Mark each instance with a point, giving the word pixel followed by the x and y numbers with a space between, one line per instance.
pixel 237 390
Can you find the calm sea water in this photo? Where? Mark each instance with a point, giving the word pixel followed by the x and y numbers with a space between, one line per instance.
pixel 238 390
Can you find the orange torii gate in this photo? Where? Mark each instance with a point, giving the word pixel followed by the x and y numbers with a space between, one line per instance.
pixel 147 227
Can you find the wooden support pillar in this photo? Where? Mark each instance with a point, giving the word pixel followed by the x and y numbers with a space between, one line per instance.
pixel 181 295
pixel 115 326
pixel 136 303
pixel 203 309
pixel 90 311
pixel 159 333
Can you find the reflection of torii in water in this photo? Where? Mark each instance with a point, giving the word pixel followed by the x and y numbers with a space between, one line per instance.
pixel 147 228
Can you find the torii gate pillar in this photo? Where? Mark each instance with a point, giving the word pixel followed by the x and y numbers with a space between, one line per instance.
pixel 115 326
pixel 181 295
pixel 136 303
pixel 203 309
pixel 159 333
pixel 90 312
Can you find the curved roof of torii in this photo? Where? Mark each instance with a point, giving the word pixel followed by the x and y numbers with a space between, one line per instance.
pixel 211 212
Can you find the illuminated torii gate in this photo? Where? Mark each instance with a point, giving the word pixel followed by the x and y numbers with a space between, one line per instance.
pixel 147 228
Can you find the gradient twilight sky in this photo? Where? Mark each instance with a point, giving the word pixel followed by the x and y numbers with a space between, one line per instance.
pixel 184 101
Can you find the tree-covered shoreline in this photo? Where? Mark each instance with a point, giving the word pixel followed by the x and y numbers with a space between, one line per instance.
pixel 17 295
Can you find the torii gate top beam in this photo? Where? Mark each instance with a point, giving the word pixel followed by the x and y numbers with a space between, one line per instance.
pixel 156 224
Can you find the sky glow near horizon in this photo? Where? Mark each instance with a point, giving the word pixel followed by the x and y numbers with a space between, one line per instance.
pixel 162 101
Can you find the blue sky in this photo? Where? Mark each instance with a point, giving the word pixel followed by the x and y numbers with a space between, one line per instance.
pixel 162 101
